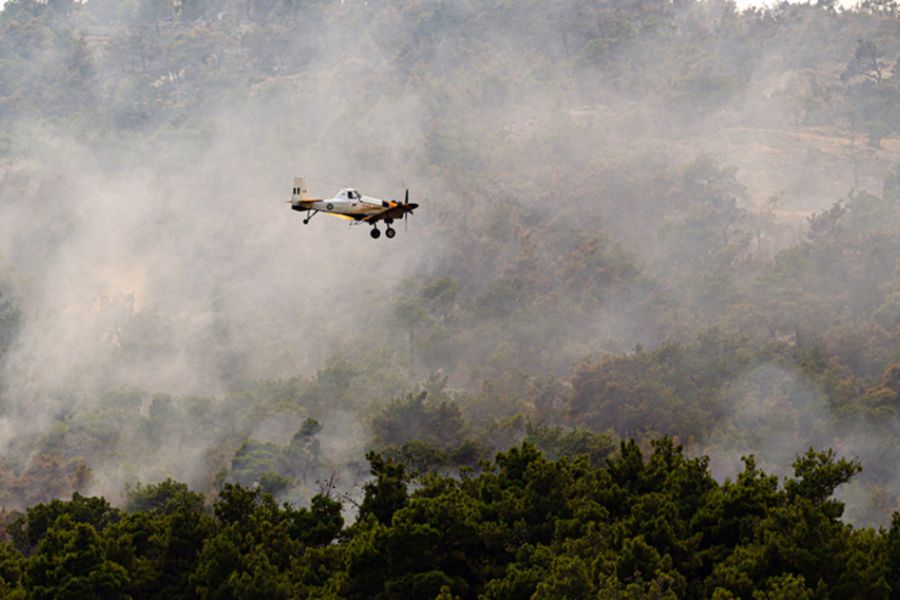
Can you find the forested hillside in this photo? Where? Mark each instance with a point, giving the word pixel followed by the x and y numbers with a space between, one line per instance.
pixel 639 526
pixel 656 268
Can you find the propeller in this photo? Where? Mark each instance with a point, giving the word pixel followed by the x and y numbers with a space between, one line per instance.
pixel 409 208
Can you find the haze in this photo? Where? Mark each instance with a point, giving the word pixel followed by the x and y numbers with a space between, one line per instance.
pixel 635 219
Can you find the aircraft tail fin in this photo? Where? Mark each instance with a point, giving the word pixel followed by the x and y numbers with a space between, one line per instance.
pixel 301 192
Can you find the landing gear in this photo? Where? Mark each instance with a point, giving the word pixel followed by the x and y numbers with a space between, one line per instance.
pixel 309 215
pixel 389 231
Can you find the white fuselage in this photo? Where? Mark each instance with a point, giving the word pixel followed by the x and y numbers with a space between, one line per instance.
pixel 347 202
pixel 363 206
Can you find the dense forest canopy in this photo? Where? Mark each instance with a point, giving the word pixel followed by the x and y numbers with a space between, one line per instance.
pixel 676 223
pixel 639 526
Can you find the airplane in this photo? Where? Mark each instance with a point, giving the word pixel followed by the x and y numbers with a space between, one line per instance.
pixel 349 205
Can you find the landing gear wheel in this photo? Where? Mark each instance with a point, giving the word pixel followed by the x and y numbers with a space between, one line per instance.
pixel 306 221
pixel 390 232
pixel 375 234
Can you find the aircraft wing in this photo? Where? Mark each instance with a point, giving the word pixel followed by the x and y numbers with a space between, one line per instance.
pixel 338 215
pixel 394 212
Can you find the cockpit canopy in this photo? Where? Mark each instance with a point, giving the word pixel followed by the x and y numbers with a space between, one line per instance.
pixel 349 194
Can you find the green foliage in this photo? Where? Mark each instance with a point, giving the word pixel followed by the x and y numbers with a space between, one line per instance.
pixel 872 99
pixel 556 443
pixel 257 463
pixel 28 530
pixel 319 525
pixel 254 548
pixel 426 434
pixel 671 390
pixel 12 565
pixel 276 468
pixel 892 553
pixel 69 563
pixel 159 540
pixel 818 475
pixel 387 493
pixel 413 418
pixel 165 498
pixel 639 525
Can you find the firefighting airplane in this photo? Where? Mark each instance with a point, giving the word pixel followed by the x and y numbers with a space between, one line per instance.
pixel 349 205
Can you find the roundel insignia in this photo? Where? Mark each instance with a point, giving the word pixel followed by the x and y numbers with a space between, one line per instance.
pixel 329 206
